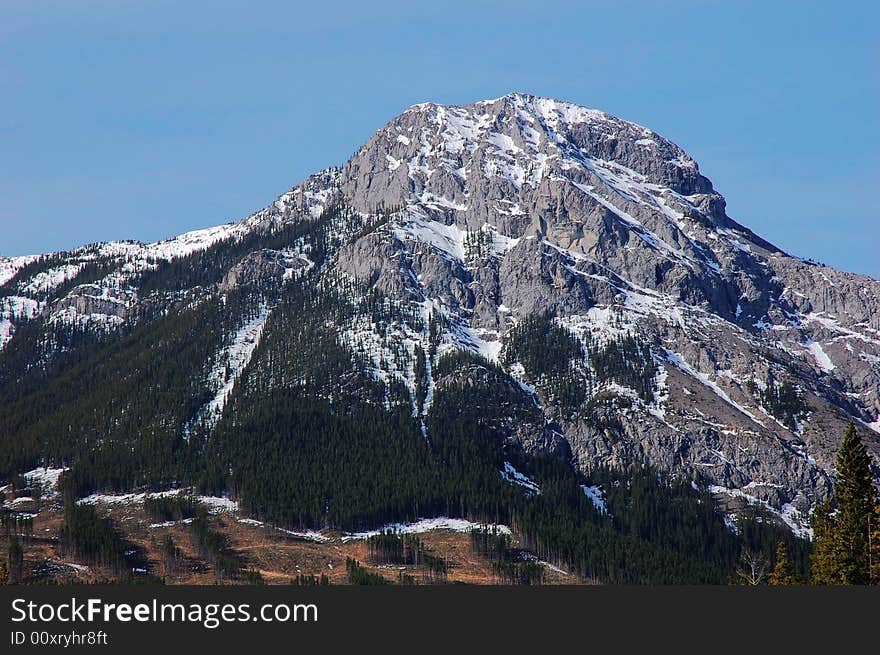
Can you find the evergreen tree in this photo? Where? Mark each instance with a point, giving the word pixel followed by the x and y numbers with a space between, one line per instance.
pixel 783 573
pixel 171 555
pixel 16 560
pixel 96 539
pixel 824 563
pixel 358 575
pixel 310 580
pixel 856 497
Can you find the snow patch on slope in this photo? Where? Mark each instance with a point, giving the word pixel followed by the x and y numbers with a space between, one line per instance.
pixel 511 475
pixel 447 239
pixel 309 535
pixel 45 477
pixel 597 497
pixel 12 310
pixel 45 281
pixel 214 504
pixel 228 368
pixel 822 359
pixel 9 266
pixel 427 525
pixel 789 514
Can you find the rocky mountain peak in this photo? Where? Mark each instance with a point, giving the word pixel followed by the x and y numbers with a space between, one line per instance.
pixel 467 158
pixel 704 349
pixel 512 207
pixel 525 167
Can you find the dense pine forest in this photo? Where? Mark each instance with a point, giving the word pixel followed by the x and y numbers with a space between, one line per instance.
pixel 311 438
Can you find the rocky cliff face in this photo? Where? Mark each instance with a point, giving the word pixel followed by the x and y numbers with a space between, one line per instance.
pixel 483 215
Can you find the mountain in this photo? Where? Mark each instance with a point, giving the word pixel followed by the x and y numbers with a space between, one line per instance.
pixel 555 277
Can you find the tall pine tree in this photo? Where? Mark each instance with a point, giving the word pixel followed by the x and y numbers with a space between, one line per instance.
pixel 856 497
pixel 783 573
pixel 824 564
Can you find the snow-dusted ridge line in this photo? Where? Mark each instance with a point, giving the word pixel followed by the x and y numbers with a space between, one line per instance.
pixel 131 257
pixel 134 253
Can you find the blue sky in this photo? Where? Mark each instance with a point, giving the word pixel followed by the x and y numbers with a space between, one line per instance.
pixel 125 119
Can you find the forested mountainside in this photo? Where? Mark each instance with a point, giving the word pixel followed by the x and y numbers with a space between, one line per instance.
pixel 518 311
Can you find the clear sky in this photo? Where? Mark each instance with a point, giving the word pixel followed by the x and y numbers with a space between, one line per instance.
pixel 136 119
